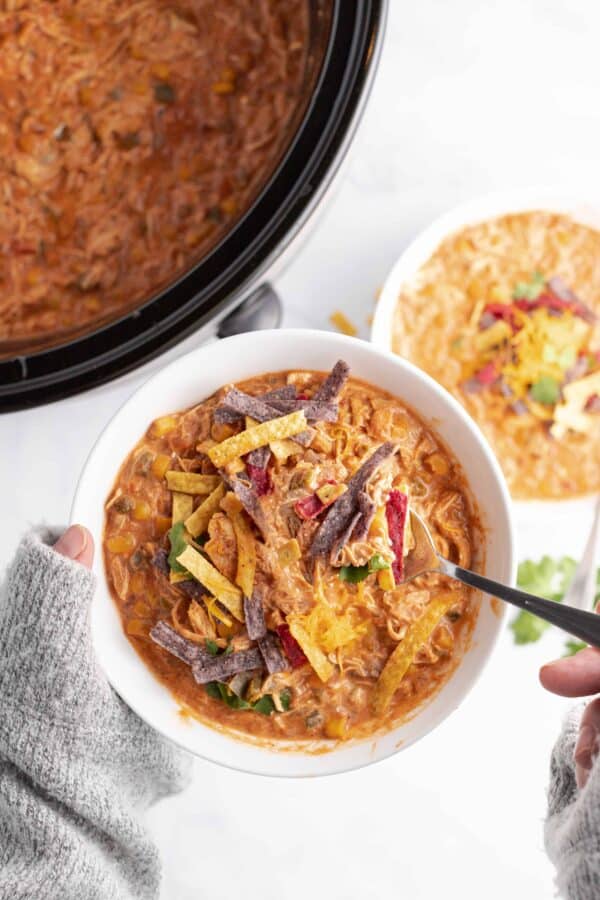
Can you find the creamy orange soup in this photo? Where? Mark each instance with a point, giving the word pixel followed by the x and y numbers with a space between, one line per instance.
pixel 505 315
pixel 255 545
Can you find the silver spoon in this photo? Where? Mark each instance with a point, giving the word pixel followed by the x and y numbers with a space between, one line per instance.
pixel 425 558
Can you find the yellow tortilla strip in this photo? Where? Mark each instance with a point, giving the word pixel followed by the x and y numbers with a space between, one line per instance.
pixel 224 591
pixel 314 655
pixel 288 553
pixel 197 522
pixel 246 545
pixel 253 438
pixel 403 656
pixel 183 504
pixel 191 482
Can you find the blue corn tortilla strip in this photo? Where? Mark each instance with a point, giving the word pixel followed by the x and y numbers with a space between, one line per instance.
pixel 249 500
pixel 254 615
pixel 259 457
pixel 161 561
pixel 282 398
pixel 367 512
pixel 345 509
pixel 236 401
pixel 346 535
pixel 318 411
pixel 333 384
pixel 175 644
pixel 192 588
pixel 274 659
pixel 220 668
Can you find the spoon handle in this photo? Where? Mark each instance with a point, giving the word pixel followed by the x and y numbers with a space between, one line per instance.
pixel 577 622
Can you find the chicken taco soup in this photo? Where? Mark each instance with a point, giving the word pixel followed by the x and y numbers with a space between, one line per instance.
pixel 255 546
pixel 505 315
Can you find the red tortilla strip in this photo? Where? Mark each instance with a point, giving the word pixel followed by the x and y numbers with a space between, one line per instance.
pixel 396 510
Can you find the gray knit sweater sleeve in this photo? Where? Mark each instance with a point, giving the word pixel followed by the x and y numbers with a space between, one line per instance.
pixel 77 767
pixel 573 825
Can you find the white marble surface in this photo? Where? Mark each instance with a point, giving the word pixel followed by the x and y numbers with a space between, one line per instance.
pixel 470 97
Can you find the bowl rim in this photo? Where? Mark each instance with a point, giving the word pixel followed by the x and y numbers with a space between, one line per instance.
pixel 260 760
pixel 568 197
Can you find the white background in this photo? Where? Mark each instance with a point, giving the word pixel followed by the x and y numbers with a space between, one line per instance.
pixel 471 96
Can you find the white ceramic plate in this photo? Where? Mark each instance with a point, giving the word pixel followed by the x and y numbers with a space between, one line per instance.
pixel 579 202
pixel 194 377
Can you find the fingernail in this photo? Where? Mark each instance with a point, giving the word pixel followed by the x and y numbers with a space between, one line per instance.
pixel 586 745
pixel 581 776
pixel 72 542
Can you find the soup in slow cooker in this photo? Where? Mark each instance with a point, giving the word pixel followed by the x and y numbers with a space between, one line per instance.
pixel 132 137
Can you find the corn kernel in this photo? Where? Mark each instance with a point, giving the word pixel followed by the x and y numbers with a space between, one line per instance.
pixel 229 206
pixel 137 628
pixel 137 583
pixel 160 465
pixel 140 609
pixel 223 87
pixel 161 70
pixel 336 728
pixel 142 511
pixel 162 524
pixel 327 493
pixel 438 464
pixel 164 425
pixel 121 543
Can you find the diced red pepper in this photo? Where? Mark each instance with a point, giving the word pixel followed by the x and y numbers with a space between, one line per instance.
pixel 396 510
pixel 291 647
pixel 260 478
pixel 303 397
pixel 309 507
pixel 593 404
pixel 488 374
pixel 505 312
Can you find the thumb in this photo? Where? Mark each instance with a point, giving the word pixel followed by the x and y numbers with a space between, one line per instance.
pixel 573 676
pixel 78 544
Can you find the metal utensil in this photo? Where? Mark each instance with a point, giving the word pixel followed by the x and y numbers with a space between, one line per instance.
pixel 582 589
pixel 425 558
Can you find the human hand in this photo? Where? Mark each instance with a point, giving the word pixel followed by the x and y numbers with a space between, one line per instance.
pixel 579 676
pixel 78 544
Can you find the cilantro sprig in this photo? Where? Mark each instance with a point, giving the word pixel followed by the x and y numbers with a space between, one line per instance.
pixel 549 578
pixel 354 574
pixel 178 544
pixel 530 290
pixel 264 705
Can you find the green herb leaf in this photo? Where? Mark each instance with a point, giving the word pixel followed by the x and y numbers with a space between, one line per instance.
pixel 212 689
pixel 265 705
pixel 572 647
pixel 164 93
pixel 549 578
pixel 546 390
pixel 212 647
pixel 178 544
pixel 377 563
pixel 285 698
pixel 228 649
pixel 353 574
pixel 530 290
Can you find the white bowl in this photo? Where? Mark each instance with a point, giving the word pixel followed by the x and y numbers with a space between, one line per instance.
pixel 578 201
pixel 194 377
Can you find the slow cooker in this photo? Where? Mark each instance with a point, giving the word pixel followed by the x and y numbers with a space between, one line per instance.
pixel 259 245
